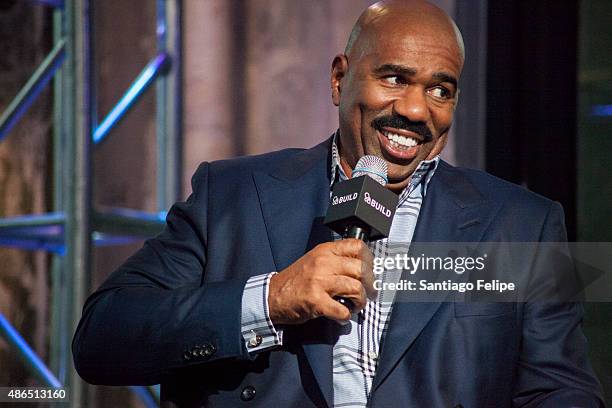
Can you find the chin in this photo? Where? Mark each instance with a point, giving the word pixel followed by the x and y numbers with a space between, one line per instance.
pixel 399 178
pixel 398 175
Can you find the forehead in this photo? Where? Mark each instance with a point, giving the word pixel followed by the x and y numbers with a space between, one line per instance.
pixel 419 46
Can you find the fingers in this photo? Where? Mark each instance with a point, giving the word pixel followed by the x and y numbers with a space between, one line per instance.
pixel 305 289
pixel 350 247
pixel 333 310
pixel 359 267
pixel 349 288
pixel 348 251
pixel 350 267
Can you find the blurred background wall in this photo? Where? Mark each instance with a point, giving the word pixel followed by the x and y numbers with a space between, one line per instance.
pixel 535 109
pixel 24 40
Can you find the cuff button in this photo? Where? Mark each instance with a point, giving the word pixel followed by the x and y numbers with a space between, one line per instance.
pixel 255 341
pixel 248 393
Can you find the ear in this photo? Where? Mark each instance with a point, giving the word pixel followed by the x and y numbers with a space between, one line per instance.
pixel 339 69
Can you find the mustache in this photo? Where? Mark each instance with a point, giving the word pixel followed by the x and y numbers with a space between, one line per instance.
pixel 401 122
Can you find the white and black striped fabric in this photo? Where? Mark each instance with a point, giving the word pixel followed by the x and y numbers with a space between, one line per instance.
pixel 356 352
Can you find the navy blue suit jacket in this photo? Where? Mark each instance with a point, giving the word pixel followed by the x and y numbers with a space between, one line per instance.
pixel 182 293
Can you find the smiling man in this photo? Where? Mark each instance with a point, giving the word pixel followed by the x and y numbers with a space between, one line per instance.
pixel 396 86
pixel 235 300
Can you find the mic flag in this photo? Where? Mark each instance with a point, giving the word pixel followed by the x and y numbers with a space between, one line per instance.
pixel 362 207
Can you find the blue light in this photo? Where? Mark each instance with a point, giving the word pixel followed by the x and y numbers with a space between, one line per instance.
pixel 27 353
pixel 144 395
pixel 141 84
pixel 52 3
pixel 601 110
pixel 33 245
pixel 34 232
pixel 30 91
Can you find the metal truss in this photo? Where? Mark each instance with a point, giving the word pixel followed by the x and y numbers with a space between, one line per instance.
pixel 75 223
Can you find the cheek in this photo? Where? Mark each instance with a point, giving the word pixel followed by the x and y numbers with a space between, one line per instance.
pixel 442 119
pixel 374 98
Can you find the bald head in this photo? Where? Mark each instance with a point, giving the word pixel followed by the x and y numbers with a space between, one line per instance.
pixel 417 15
pixel 396 86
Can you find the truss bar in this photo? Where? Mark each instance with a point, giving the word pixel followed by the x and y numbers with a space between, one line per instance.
pixel 27 95
pixel 601 110
pixel 155 391
pixel 60 315
pixel 145 396
pixel 56 245
pixel 104 240
pixel 116 226
pixel 51 3
pixel 129 222
pixel 55 218
pixel 77 190
pixel 34 232
pixel 134 92
pixel 169 105
pixel 33 244
pixel 25 353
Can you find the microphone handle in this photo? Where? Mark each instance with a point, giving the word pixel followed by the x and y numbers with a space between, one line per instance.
pixel 352 231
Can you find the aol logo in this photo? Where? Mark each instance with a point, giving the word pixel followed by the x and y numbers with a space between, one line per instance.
pixel 343 199
pixel 376 205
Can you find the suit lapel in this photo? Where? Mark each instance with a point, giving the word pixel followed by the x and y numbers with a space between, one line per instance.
pixel 452 211
pixel 294 199
pixel 297 193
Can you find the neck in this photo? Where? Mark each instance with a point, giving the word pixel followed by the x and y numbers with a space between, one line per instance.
pixel 397 188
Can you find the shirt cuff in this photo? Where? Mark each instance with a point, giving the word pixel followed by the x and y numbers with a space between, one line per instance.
pixel 258 331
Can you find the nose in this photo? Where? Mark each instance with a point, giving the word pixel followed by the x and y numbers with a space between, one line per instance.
pixel 412 104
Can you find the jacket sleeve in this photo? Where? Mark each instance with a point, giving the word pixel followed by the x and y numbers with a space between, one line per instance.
pixel 153 314
pixel 553 370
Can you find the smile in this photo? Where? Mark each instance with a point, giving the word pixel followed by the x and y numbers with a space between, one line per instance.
pixel 398 147
pixel 399 141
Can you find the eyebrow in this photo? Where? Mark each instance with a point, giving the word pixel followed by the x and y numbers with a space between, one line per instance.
pixel 396 69
pixel 407 71
pixel 445 77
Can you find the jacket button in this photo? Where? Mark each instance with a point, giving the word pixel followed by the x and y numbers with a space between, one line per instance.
pixel 187 355
pixel 195 352
pixel 207 350
pixel 248 393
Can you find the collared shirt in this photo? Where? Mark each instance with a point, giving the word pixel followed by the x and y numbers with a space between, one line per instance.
pixel 355 355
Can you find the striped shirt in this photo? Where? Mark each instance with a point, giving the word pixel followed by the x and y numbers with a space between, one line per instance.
pixel 355 355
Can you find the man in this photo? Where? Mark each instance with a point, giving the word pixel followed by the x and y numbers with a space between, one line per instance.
pixel 234 301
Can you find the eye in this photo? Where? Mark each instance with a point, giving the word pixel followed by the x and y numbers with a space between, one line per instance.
pixel 440 92
pixel 394 79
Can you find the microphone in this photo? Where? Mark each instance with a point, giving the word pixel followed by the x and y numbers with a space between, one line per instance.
pixel 362 207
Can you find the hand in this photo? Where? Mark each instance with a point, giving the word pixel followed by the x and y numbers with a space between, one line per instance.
pixel 306 288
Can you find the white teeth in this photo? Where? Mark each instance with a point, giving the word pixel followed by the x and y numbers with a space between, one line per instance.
pixel 400 141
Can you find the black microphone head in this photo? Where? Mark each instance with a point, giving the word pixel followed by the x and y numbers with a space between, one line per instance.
pixel 372 166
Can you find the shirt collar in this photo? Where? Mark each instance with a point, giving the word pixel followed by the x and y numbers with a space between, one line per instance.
pixel 421 176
